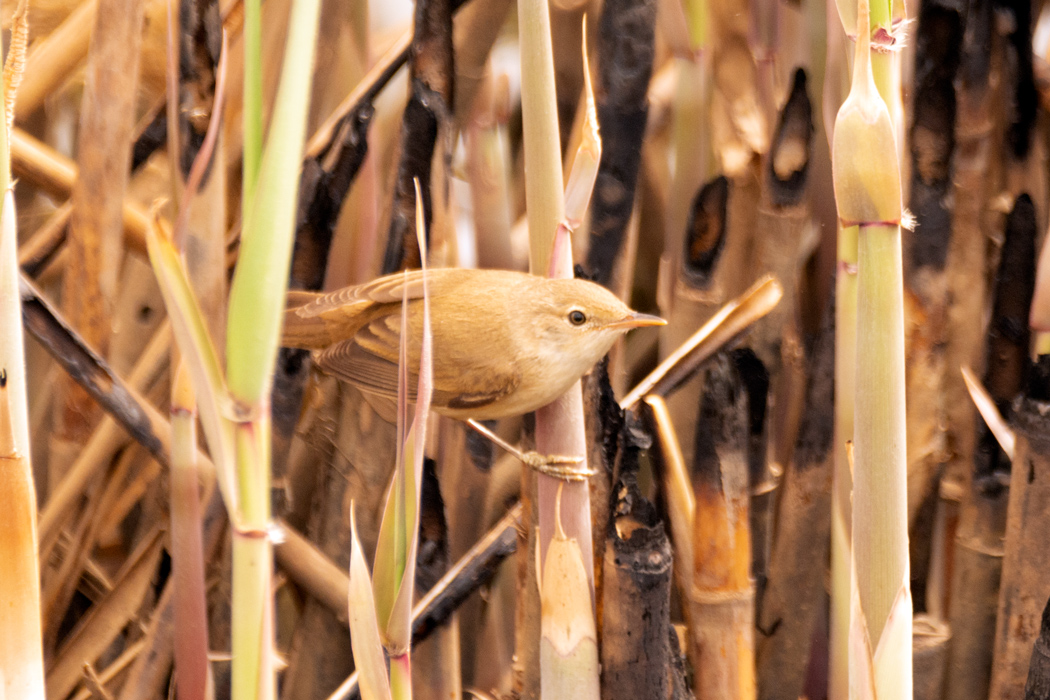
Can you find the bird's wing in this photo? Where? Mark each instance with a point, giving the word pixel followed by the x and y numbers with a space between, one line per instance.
pixel 385 290
pixel 369 361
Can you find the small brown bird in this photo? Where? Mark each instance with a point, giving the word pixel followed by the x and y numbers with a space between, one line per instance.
pixel 504 343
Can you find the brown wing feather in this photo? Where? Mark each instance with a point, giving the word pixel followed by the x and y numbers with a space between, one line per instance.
pixel 369 361
pixel 385 290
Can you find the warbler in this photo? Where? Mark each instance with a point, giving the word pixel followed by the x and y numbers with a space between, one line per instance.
pixel 504 343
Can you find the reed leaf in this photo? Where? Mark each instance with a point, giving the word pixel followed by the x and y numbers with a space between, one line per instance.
pixel 364 626
pixel 200 357
pixel 580 183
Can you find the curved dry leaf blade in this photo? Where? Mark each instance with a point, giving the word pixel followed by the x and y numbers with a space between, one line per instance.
pixel 364 627
pixel 198 352
pixel 731 320
pixel 584 171
pixel 990 412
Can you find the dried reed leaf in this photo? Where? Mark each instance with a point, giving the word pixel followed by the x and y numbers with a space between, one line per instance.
pixel 580 184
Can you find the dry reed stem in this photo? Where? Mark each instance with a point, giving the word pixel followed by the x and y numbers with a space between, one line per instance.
pixel 722 596
pixel 101 446
pixel 45 168
pixel 149 672
pixel 96 632
pixel 90 279
pixel 790 604
pixel 43 242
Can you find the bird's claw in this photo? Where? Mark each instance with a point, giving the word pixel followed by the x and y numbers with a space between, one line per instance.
pixel 559 466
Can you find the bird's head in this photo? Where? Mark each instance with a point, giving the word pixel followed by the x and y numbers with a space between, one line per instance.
pixel 586 318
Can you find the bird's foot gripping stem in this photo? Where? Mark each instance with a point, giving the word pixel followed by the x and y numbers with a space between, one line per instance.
pixel 569 468
pixel 565 467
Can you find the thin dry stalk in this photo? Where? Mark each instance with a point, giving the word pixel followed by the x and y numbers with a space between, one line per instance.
pixel 54 58
pixel 52 172
pixel 97 631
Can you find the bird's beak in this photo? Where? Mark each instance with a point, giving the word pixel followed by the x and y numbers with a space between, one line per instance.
pixel 637 320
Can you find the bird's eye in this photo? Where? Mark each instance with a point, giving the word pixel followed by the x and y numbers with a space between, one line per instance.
pixel 577 318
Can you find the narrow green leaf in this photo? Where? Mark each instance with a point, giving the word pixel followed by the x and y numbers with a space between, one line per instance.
pixel 399 626
pixel 257 295
pixel 364 627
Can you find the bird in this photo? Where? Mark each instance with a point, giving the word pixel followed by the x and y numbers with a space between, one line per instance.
pixel 504 343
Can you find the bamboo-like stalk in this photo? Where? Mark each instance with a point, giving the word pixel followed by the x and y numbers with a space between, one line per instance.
pixel 21 651
pixel 842 475
pixel 835 88
pixel 723 594
pixel 783 216
pixel 560 425
pixel 868 194
pixel 187 551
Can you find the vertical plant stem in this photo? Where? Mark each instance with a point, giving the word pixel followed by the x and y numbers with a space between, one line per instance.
pixel 880 527
pixel 842 478
pixel 252 622
pixel 21 650
pixel 187 553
